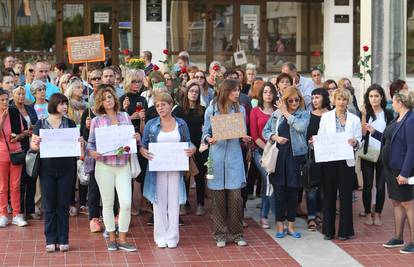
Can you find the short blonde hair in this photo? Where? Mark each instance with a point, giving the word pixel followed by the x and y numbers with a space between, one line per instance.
pixel 341 92
pixel 71 85
pixel 163 97
pixel 405 97
pixel 130 74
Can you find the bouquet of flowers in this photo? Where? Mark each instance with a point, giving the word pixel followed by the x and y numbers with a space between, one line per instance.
pixel 209 165
pixel 167 61
pixel 136 63
pixel 121 150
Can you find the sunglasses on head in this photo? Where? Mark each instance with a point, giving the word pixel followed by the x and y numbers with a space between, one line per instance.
pixel 293 100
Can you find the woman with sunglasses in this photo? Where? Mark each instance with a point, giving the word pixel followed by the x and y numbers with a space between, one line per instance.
pixel 287 127
pixel 207 93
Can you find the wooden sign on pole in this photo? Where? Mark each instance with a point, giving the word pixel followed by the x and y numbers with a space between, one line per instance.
pixel 82 49
pixel 228 126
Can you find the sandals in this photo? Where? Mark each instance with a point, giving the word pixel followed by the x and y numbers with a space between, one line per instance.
pixel 312 225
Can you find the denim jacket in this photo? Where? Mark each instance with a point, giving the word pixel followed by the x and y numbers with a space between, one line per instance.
pixel 151 131
pixel 298 124
pixel 228 167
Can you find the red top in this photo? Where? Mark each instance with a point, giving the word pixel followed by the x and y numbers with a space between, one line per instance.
pixel 258 120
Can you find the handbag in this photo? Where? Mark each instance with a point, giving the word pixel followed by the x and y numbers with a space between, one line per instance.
pixel 193 169
pixel 239 56
pixel 32 163
pixel 306 170
pixel 17 157
pixel 372 154
pixel 135 167
pixel 270 153
pixel 83 176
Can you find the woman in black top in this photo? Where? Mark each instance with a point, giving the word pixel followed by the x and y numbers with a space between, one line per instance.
pixel 374 113
pixel 193 114
pixel 320 104
pixel 56 177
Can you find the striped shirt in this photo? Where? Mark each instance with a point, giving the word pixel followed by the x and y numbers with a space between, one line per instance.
pixel 105 121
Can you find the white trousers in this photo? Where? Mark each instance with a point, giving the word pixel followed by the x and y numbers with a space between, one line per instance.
pixel 167 209
pixel 108 179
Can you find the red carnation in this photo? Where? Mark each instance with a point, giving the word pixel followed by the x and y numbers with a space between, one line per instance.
pixel 165 51
pixel 155 68
pixel 216 67
pixel 183 69
pixel 316 53
pixel 365 48
pixel 127 149
pixel 126 52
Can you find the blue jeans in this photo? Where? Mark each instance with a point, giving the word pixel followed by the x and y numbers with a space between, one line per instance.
pixel 268 202
pixel 313 202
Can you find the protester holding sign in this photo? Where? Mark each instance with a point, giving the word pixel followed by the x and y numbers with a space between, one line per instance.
pixel 228 169
pixel 165 189
pixel 112 172
pixel 56 177
pixel 287 127
pixel 339 174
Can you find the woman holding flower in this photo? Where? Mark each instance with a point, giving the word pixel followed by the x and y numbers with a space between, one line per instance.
pixel 228 168
pixel 112 172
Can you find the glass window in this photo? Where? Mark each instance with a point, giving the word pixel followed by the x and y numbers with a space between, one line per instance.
pixel 35 26
pixel 250 32
pixel 186 29
pixel 223 34
pixel 5 25
pixel 290 38
pixel 410 36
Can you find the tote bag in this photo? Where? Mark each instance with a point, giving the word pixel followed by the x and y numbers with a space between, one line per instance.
pixel 270 154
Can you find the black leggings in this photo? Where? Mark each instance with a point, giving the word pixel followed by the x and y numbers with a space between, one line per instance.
pixel 368 169
pixel 286 199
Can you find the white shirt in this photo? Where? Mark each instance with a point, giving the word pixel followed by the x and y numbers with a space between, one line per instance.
pixel 379 125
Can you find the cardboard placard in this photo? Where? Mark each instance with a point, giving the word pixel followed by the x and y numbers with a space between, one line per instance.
pixel 82 49
pixel 228 126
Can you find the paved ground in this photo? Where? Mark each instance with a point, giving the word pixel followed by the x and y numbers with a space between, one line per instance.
pixel 25 246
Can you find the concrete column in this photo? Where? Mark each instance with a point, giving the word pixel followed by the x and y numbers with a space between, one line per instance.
pixel 397 17
pixel 338 40
pixel 366 39
pixel 153 35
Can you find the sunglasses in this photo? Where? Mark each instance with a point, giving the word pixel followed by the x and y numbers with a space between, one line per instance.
pixel 199 77
pixel 31 70
pixel 96 78
pixel 40 89
pixel 136 81
pixel 294 100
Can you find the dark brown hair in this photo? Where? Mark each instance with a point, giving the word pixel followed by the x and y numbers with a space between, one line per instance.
pixel 272 89
pixel 225 88
pixel 186 102
pixel 54 101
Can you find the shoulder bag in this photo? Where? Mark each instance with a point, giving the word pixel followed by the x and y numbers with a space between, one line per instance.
pixel 270 152
pixel 16 158
pixel 372 154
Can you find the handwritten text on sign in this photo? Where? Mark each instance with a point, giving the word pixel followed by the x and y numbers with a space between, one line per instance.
pixel 168 157
pixel 89 48
pixel 228 126
pixel 109 139
pixel 332 147
pixel 58 143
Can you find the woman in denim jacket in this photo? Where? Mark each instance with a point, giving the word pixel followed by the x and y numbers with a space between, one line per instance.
pixel 165 189
pixel 228 168
pixel 287 127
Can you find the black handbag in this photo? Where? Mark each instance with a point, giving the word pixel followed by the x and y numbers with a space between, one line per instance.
pixel 16 158
pixel 32 163
pixel 306 170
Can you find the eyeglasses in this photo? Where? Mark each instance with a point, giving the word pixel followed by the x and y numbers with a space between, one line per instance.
pixel 95 78
pixel 136 81
pixel 193 91
pixel 293 100
pixel 199 77
pixel 41 89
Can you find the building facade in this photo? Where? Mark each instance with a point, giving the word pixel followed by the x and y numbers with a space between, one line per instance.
pixel 307 32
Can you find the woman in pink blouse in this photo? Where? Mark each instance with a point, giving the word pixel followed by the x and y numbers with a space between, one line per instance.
pixel 112 172
pixel 258 119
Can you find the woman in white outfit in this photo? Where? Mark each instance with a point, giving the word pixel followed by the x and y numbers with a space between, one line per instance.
pixel 165 189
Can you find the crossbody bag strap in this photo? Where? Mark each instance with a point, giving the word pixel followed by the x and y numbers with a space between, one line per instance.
pixel 5 140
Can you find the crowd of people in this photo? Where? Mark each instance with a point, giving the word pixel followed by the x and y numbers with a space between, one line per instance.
pixel 177 104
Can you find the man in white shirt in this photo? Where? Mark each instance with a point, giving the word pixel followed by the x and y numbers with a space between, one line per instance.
pixel 305 85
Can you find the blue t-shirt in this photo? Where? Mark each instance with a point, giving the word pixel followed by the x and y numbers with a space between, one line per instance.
pixel 50 90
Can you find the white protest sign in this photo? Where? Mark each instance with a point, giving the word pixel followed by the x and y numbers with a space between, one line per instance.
pixel 109 139
pixel 332 147
pixel 168 157
pixel 59 143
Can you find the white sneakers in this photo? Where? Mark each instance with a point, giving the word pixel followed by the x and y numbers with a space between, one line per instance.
pixel 3 221
pixel 19 220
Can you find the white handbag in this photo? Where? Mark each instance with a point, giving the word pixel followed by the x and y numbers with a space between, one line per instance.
pixel 270 153
pixel 135 167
